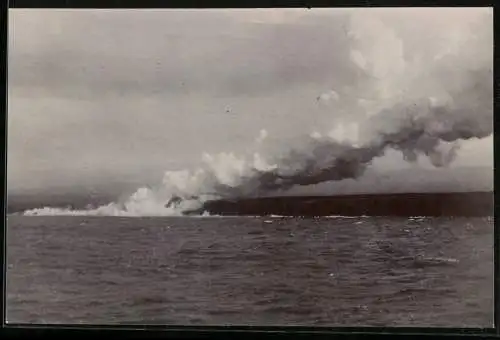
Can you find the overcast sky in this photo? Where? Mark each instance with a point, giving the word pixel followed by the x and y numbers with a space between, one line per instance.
pixel 96 95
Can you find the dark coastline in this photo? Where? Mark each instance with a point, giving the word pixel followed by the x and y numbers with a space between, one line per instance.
pixel 467 204
pixel 479 203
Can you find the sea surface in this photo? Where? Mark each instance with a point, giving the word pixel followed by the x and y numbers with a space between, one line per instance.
pixel 338 271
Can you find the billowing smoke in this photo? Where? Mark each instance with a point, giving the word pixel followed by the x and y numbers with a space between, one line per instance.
pixel 422 103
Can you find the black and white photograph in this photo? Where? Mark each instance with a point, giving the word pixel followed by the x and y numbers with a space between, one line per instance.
pixel 324 167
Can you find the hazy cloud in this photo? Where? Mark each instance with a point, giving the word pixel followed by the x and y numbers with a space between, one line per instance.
pixel 100 94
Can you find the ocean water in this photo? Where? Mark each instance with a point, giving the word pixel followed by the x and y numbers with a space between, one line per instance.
pixel 366 271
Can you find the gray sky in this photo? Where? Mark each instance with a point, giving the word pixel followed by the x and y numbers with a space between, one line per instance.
pixel 123 95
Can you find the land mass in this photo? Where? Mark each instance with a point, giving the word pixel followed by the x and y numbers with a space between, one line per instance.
pixel 400 204
pixel 477 203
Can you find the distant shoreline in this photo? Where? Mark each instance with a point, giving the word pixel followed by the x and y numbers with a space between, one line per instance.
pixel 477 204
pixel 466 204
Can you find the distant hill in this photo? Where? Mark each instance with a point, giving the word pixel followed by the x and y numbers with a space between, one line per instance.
pixel 409 192
pixel 396 181
pixel 408 204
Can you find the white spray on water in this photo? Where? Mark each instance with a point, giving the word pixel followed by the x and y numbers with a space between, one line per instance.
pixel 420 104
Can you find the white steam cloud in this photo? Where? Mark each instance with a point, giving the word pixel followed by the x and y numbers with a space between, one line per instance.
pixel 422 104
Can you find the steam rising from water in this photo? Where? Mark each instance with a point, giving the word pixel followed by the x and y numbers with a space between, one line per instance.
pixel 422 105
